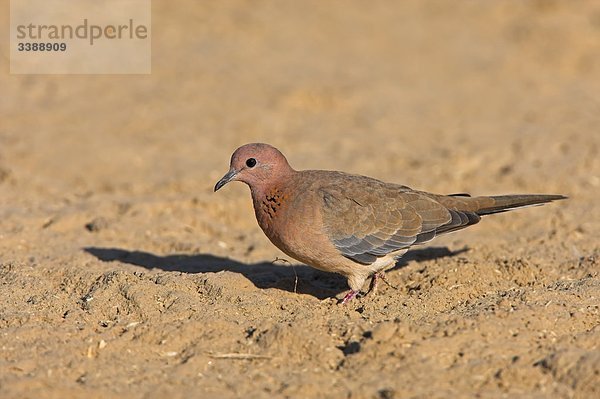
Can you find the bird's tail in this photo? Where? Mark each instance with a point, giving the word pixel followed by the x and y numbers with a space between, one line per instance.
pixel 503 203
pixel 466 210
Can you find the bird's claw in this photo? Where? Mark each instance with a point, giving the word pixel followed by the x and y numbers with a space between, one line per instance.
pixel 349 296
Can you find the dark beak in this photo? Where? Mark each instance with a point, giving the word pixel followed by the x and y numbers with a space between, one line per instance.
pixel 229 176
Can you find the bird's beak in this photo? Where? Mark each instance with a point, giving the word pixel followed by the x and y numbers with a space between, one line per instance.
pixel 229 176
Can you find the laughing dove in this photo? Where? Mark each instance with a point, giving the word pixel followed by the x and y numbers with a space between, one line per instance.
pixel 353 225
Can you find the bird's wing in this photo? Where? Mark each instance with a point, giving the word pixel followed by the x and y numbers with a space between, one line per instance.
pixel 366 219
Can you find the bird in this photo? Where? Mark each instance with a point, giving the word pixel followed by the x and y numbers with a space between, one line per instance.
pixel 349 224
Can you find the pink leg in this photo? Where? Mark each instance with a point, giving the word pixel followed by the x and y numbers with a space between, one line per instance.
pixel 349 296
pixel 375 281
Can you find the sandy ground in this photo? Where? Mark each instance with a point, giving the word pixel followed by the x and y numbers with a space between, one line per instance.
pixel 123 275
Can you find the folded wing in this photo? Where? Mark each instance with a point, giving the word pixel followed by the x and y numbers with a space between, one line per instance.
pixel 366 219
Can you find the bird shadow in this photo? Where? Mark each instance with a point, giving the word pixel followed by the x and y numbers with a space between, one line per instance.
pixel 292 278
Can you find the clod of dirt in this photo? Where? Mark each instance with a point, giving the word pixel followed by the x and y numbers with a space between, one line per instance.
pixel 97 224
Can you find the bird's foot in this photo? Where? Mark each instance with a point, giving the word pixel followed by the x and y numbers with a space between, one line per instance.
pixel 372 288
pixel 349 296
pixel 375 282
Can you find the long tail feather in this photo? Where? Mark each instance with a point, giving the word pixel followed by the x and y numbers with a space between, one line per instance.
pixel 503 203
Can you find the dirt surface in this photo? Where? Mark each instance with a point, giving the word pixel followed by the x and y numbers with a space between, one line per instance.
pixel 123 275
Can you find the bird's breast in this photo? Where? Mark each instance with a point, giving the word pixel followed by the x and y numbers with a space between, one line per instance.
pixel 281 216
pixel 269 207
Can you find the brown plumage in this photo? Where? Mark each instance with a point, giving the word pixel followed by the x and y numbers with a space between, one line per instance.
pixel 353 225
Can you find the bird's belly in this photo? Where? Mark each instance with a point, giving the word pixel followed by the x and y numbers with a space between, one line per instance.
pixel 297 238
pixel 299 244
pixel 310 246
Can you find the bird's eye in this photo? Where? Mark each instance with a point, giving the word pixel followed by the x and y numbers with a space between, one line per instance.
pixel 250 162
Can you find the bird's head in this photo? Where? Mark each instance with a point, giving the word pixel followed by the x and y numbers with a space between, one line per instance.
pixel 256 164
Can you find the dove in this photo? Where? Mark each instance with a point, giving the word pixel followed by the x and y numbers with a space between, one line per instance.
pixel 353 225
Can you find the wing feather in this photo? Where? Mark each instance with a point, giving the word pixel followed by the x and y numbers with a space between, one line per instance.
pixel 366 219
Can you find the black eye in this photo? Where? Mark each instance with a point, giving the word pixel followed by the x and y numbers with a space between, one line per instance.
pixel 250 162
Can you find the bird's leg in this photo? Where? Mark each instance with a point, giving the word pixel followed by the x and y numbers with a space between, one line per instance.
pixel 349 296
pixel 375 280
pixel 372 287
